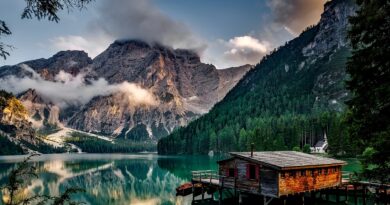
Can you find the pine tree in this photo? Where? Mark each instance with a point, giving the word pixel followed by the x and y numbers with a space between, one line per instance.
pixel 369 69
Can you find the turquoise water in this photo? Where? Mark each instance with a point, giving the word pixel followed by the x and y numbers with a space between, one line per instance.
pixel 353 165
pixel 112 178
pixel 120 179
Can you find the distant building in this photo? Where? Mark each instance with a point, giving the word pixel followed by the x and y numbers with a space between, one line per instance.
pixel 279 173
pixel 321 146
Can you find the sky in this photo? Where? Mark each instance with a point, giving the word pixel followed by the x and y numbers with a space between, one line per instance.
pixel 224 33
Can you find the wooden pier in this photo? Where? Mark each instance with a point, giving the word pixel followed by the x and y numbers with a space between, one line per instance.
pixel 208 177
pixel 205 181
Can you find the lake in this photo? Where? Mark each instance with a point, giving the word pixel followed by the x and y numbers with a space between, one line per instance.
pixel 120 179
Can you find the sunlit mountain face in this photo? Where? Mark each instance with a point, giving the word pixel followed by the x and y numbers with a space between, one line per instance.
pixel 111 179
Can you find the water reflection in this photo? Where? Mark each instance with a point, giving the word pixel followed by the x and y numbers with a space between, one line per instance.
pixel 117 179
pixel 112 179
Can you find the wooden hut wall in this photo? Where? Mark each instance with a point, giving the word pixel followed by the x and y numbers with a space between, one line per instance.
pixel 244 183
pixel 241 180
pixel 297 181
pixel 224 167
pixel 269 182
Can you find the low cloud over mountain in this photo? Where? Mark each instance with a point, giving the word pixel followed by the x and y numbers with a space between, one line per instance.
pixel 75 90
pixel 133 19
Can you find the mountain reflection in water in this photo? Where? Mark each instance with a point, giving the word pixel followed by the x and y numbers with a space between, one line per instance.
pixel 112 178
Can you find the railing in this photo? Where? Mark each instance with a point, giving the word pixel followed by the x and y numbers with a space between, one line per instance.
pixel 205 176
pixel 346 175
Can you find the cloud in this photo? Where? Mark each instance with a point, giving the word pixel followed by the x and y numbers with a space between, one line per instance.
pixel 287 19
pixel 248 42
pixel 76 90
pixel 296 15
pixel 134 19
pixel 245 49
pixel 93 45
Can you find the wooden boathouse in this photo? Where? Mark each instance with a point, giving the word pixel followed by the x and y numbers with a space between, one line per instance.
pixel 272 174
pixel 279 173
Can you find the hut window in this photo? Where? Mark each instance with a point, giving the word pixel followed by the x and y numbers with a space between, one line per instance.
pixel 282 174
pixel 319 171
pixel 293 174
pixel 251 171
pixel 303 173
pixel 335 169
pixel 231 172
pixel 311 172
pixel 326 171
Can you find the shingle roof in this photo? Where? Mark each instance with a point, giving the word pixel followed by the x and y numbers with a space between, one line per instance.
pixel 287 159
pixel 320 143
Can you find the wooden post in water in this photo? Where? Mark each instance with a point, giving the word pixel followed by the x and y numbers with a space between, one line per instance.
pixel 337 195
pixel 355 194
pixel 220 190
pixel 313 197
pixel 364 194
pixel 193 190
pixel 346 194
pixel 202 190
pixel 220 196
pixel 327 194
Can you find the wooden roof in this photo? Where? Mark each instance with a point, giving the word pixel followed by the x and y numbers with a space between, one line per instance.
pixel 286 160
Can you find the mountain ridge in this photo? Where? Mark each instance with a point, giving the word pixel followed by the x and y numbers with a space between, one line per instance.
pixel 293 97
pixel 182 86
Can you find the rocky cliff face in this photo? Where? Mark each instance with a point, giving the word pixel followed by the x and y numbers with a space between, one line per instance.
pixel 14 124
pixel 331 42
pixel 332 32
pixel 185 88
pixel 182 87
pixel 68 61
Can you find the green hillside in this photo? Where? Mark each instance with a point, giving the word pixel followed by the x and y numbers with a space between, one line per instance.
pixel 278 105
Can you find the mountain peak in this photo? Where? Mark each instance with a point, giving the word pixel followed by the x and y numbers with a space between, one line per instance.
pixel 71 54
pixel 133 42
pixel 333 3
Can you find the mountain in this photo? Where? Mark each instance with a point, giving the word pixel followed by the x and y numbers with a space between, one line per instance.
pixel 14 126
pixel 132 90
pixel 294 96
pixel 17 135
pixel 185 88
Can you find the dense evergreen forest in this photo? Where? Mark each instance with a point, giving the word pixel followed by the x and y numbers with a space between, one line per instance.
pixel 91 144
pixel 278 105
pixel 369 108
pixel 9 148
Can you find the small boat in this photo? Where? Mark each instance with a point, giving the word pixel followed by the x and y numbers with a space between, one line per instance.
pixel 184 189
